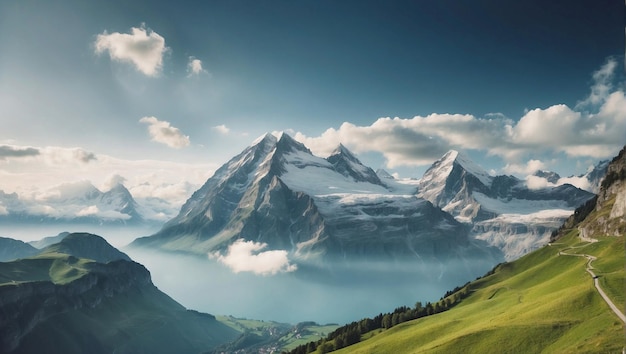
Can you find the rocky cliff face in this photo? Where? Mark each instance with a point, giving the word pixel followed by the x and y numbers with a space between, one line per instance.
pixel 500 210
pixel 612 198
pixel 25 305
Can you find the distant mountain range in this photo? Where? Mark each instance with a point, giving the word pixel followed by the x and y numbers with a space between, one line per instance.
pixel 79 202
pixel 278 193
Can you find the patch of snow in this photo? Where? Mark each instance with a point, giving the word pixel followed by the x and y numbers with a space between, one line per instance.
pixel 471 167
pixel 315 176
pixel 518 206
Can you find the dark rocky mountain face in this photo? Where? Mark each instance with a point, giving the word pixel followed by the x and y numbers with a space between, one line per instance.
pixel 605 214
pixel 500 210
pixel 347 164
pixel 611 196
pixel 277 192
pixel 550 176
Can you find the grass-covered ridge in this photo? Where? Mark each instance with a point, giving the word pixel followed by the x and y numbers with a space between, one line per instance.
pixel 57 268
pixel 542 302
pixel 57 302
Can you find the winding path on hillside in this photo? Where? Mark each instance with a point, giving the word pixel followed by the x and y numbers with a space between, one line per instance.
pixel 589 268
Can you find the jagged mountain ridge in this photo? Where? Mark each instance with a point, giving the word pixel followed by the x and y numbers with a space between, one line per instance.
pixel 79 202
pixel 277 192
pixel 501 210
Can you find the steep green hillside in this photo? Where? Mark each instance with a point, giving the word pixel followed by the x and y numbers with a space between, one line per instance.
pixel 59 303
pixel 543 302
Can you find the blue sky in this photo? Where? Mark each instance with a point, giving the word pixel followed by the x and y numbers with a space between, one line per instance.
pixel 93 89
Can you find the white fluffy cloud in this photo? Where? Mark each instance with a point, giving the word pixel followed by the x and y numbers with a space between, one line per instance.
pixel 142 47
pixel 91 210
pixel 194 67
pixel 112 181
pixel 248 256
pixel 162 132
pixel 555 129
pixel 580 182
pixel 222 129
pixel 530 167
pixel 535 182
pixel 602 85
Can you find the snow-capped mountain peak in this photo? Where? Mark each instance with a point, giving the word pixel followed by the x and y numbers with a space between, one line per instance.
pixel 278 192
pixel 344 162
pixel 442 169
pixel 267 137
pixel 473 168
pixel 341 149
pixel 287 144
pixel 381 173
pixel 445 176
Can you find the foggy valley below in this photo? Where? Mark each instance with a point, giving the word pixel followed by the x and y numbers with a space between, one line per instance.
pixel 330 293
pixel 334 294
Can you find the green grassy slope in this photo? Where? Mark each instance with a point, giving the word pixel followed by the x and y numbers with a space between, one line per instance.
pixel 145 321
pixel 542 302
pixel 304 335
pixel 45 303
pixel 58 268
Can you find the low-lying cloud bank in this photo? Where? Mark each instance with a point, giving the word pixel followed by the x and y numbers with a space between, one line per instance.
pixel 248 256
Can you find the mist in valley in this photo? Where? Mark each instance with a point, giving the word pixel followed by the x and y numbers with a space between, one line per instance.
pixel 117 235
pixel 339 293
pixel 291 292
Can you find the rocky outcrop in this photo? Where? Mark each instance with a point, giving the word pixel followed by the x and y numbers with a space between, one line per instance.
pixel 516 237
pixel 605 213
pixel 612 199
